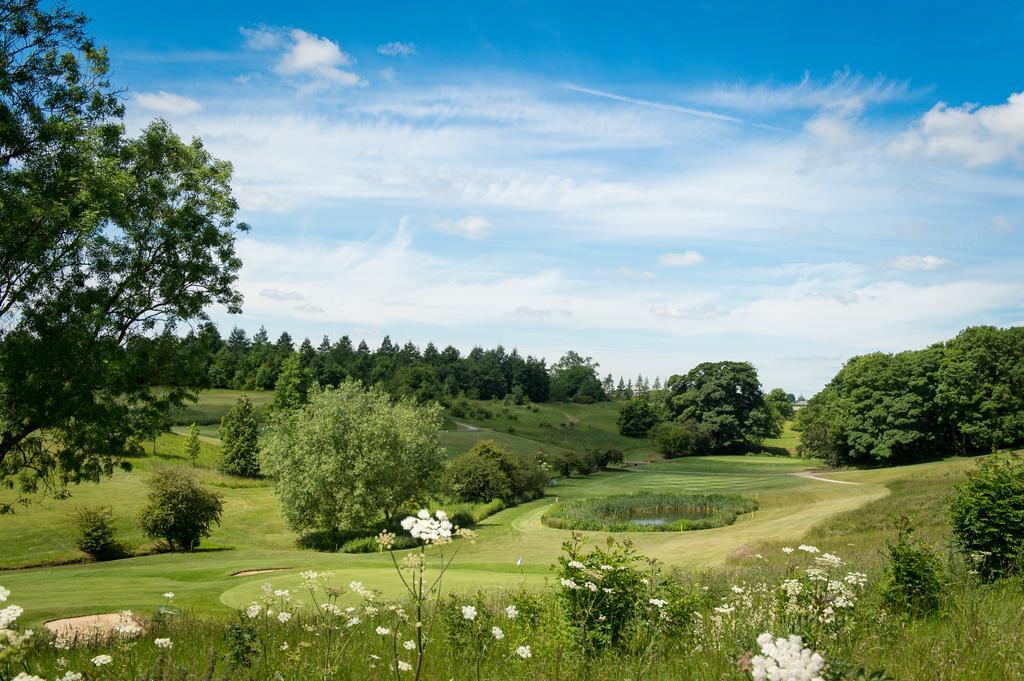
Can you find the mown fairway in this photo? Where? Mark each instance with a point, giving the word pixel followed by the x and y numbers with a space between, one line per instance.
pixel 254 536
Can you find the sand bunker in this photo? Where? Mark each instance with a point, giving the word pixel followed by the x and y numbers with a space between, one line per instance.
pixel 71 629
pixel 260 571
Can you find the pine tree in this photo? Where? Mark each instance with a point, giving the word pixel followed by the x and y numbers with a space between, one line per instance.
pixel 657 383
pixel 239 450
pixel 192 444
pixel 620 390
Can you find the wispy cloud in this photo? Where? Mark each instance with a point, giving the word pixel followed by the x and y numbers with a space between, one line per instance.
pixel 844 90
pixel 684 259
pixel 167 103
pixel 397 49
pixel 652 104
pixel 470 227
pixel 916 263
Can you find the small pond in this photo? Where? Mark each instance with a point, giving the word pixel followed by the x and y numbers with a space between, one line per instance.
pixel 663 518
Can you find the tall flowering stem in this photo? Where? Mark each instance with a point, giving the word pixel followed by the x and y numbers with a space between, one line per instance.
pixel 429 530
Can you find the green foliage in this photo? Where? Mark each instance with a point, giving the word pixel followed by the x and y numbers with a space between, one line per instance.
pixel 107 243
pixel 489 472
pixel 676 439
pixel 192 446
pixel 913 581
pixel 725 400
pixel 574 379
pixel 369 544
pixel 95 526
pixel 680 512
pixel 599 615
pixel 987 515
pixel 967 393
pixel 351 455
pixel 179 510
pixel 291 385
pixel 238 436
pixel 638 417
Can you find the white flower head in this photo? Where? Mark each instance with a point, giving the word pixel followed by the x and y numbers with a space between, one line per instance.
pixel 101 660
pixel 497 633
pixel 524 652
pixel 511 612
pixel 383 631
pixel 284 616
pixel 163 643
pixel 469 612
pixel 404 666
pixel 169 595
pixel 409 645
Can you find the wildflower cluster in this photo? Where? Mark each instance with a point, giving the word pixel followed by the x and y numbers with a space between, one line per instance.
pixel 785 658
pixel 12 641
pixel 429 530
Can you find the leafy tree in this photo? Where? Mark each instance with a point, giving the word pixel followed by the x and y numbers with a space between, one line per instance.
pixel 987 515
pixel 489 472
pixel 637 417
pixel 725 399
pixel 180 511
pixel 290 390
pixel 105 243
pixel 680 439
pixel 574 379
pixel 350 456
pixel 239 452
pixel 192 447
pixel 780 404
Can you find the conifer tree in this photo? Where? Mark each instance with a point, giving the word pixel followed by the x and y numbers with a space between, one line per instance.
pixel 192 444
pixel 239 449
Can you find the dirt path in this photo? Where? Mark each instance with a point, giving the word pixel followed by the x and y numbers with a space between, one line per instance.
pixel 90 626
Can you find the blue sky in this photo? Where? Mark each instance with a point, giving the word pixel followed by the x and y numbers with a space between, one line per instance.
pixel 785 183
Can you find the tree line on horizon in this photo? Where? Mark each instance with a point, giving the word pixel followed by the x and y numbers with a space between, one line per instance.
pixel 961 396
pixel 241 362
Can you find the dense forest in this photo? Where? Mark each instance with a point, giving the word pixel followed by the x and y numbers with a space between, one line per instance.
pixel 962 396
pixel 255 363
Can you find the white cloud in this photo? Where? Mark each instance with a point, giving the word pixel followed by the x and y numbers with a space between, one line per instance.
pixel 844 90
pixel 975 135
pixel 317 58
pixel 306 307
pixel 262 37
pixel 685 259
pixel 397 49
pixel 916 263
pixel 387 74
pixel 1002 224
pixel 276 294
pixel 167 103
pixel 470 227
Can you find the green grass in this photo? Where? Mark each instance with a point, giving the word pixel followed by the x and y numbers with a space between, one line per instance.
pixel 577 427
pixel 788 440
pixel 213 404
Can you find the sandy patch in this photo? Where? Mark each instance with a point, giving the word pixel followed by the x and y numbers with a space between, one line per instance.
pixel 260 571
pixel 71 629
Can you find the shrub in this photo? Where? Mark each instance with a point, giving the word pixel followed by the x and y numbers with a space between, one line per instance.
pixel 489 472
pixel 913 580
pixel 238 433
pixel 638 417
pixel 369 544
pixel 192 447
pixel 180 511
pixel 95 527
pixel 680 439
pixel 987 514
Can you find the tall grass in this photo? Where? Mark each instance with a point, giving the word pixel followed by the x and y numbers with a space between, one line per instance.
pixel 619 513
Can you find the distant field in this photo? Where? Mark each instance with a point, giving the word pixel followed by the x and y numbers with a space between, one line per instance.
pixel 788 440
pixel 213 404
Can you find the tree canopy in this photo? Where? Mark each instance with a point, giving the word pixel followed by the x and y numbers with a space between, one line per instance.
pixel 962 396
pixel 351 456
pixel 107 244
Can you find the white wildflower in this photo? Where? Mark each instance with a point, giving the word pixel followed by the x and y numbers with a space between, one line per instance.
pixel 497 633
pixel 284 616
pixel 409 645
pixel 576 564
pixel 101 660
pixel 524 652
pixel 469 612
pixel 511 612
pixel 788 549
pixel 569 584
pixel 782 658
pixel 807 548
pixel 383 631
pixel 404 666
pixel 657 602
pixel 169 595
pixel 163 643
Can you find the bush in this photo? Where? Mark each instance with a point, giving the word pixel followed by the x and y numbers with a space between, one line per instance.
pixel 489 472
pixel 95 527
pixel 369 544
pixel 913 581
pixel 638 417
pixel 180 511
pixel 238 433
pixel 680 439
pixel 987 514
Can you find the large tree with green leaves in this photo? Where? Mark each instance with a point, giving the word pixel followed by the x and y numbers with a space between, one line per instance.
pixel 574 379
pixel 352 456
pixel 106 245
pixel 725 399
pixel 239 436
